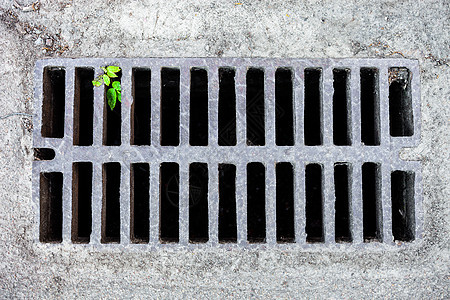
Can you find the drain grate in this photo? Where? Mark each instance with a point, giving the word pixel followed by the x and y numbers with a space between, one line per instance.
pixel 228 153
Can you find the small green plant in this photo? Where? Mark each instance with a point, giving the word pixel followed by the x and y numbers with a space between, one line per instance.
pixel 114 93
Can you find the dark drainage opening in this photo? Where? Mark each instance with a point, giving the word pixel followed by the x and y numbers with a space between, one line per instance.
pixel 370 107
pixel 314 203
pixel 198 203
pixel 198 116
pixel 341 107
pixel 170 107
pixel 285 202
pixel 256 205
pixel 342 187
pixel 44 154
pixel 140 109
pixel 400 102
pixel 50 229
pixel 112 119
pixel 140 199
pixel 83 114
pixel 169 203
pixel 227 203
pixel 227 107
pixel 371 192
pixel 255 107
pixel 284 107
pixel 53 105
pixel 111 203
pixel 403 214
pixel 81 202
pixel 313 107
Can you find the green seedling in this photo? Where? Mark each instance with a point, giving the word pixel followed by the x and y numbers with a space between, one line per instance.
pixel 114 93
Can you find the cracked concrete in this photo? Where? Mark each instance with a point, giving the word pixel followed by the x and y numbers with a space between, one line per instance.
pixel 80 28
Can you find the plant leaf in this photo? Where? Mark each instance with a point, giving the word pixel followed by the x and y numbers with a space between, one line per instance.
pixel 111 95
pixel 113 69
pixel 110 74
pixel 96 83
pixel 116 86
pixel 106 79
pixel 104 69
pixel 119 96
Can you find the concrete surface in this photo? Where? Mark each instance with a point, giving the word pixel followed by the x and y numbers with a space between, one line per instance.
pixel 414 29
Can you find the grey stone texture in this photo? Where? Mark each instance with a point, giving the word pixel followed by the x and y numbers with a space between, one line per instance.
pixel 416 30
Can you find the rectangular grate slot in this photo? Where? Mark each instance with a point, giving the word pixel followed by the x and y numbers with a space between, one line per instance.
pixel 111 203
pixel 81 202
pixel 198 115
pixel 342 187
pixel 341 104
pixel 83 120
pixel 227 203
pixel 169 202
pixel 401 118
pixel 255 107
pixel 256 207
pixel 314 203
pixel 403 213
pixel 198 202
pixel 53 103
pixel 112 119
pixel 370 107
pixel 44 154
pixel 140 109
pixel 285 202
pixel 216 152
pixel 140 203
pixel 51 215
pixel 170 107
pixel 227 107
pixel 313 107
pixel 284 105
pixel 371 191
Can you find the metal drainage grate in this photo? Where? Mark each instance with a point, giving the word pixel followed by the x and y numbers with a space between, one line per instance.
pixel 228 152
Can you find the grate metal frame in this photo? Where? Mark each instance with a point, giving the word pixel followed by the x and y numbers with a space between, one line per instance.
pixel 299 155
